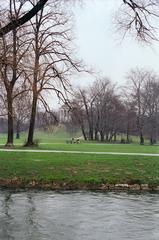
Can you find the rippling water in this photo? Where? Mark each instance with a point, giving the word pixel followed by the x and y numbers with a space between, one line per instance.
pixel 78 216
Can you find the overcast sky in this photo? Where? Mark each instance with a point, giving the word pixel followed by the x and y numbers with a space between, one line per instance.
pixel 103 48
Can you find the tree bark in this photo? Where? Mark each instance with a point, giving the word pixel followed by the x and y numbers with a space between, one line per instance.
pixel 9 89
pixel 22 20
pixel 30 141
pixel 10 135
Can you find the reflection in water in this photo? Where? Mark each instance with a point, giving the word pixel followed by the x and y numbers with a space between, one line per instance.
pixel 30 220
pixel 78 215
pixel 5 217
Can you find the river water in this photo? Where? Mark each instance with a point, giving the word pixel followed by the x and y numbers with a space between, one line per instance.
pixel 78 216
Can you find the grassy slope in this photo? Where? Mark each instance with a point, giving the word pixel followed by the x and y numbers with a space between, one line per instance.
pixel 79 168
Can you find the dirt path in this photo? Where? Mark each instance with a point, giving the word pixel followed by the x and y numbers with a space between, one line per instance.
pixel 79 152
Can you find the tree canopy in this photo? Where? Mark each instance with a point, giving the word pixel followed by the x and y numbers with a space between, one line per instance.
pixel 137 17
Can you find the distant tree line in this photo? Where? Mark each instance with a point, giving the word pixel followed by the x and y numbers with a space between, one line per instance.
pixel 103 111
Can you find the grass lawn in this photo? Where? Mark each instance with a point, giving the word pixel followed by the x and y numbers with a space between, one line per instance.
pixel 95 147
pixel 50 142
pixel 76 168
pixel 57 141
pixel 98 147
pixel 79 168
pixel 60 135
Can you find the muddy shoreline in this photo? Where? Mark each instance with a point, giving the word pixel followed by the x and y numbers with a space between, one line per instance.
pixel 16 183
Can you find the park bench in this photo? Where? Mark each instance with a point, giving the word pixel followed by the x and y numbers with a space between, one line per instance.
pixel 73 140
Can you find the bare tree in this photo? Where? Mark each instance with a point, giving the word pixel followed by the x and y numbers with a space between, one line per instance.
pixel 3 109
pixel 78 114
pixel 99 111
pixel 129 117
pixel 107 107
pixel 152 99
pixel 13 49
pixel 137 15
pixel 46 120
pixel 137 79
pixel 88 101
pixel 21 109
pixel 52 58
pixel 15 23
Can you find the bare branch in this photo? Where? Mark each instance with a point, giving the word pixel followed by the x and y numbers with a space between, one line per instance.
pixel 139 17
pixel 22 20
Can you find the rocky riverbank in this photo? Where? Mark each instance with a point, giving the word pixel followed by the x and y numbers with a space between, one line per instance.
pixel 16 183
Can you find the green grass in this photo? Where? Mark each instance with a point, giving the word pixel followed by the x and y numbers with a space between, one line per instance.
pixel 78 168
pixel 58 135
pixel 57 141
pixel 96 147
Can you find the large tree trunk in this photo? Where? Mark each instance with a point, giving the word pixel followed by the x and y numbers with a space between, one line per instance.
pixel 9 88
pixel 13 24
pixel 30 141
pixel 10 122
